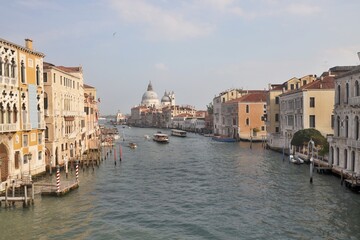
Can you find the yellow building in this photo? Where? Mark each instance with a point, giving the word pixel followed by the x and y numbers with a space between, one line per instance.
pixel 91 109
pixel 22 122
pixel 64 114
pixel 274 137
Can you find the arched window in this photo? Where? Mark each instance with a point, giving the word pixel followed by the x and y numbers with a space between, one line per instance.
pixel 356 123
pixel 347 93
pixel 346 126
pixel 45 101
pixel 337 156
pixel 2 111
pixel 13 67
pixel 338 94
pixel 6 70
pixel 22 74
pixel 37 75
pixel 8 113
pixel 46 133
pixel 345 158
pixel 338 126
pixel 352 165
pixel 1 67
pixel 15 113
pixel 357 88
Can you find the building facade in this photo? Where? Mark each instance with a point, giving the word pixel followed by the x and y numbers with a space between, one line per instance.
pixel 64 113
pixel 22 122
pixel 345 142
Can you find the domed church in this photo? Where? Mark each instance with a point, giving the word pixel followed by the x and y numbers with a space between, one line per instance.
pixel 150 98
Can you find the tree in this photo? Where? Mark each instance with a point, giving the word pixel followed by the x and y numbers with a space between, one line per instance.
pixel 302 137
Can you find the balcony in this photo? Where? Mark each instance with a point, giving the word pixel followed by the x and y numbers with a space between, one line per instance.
pixel 46 112
pixel 8 81
pixel 4 128
pixel 353 143
pixel 41 125
pixel 69 113
pixel 354 101
pixel 26 126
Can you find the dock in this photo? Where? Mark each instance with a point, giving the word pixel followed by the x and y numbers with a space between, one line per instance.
pixel 50 189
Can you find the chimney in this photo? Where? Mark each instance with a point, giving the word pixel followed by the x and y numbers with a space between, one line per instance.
pixel 29 43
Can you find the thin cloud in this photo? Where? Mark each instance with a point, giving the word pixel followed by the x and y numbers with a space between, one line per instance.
pixel 160 23
pixel 160 66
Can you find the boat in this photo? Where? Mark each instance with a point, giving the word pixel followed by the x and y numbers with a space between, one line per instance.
pixel 296 159
pixel 132 145
pixel 161 138
pixel 223 139
pixel 178 133
pixel 147 137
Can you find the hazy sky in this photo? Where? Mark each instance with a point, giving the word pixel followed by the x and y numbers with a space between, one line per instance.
pixel 196 48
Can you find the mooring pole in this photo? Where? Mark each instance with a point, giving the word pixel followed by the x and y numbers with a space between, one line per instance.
pixel 311 144
pixel 58 179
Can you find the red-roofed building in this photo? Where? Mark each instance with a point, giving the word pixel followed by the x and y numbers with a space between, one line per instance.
pixel 243 117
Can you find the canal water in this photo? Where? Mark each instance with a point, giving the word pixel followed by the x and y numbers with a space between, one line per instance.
pixel 191 188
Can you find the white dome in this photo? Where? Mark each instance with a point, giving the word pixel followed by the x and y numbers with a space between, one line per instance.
pixel 150 98
pixel 165 99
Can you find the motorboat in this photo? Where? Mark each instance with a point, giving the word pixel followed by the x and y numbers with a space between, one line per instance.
pixel 161 138
pixel 132 145
pixel 295 159
pixel 178 133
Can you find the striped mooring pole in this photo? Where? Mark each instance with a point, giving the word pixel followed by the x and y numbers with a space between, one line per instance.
pixel 77 171
pixel 58 178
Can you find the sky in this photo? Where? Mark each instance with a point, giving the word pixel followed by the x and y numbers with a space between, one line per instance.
pixel 196 48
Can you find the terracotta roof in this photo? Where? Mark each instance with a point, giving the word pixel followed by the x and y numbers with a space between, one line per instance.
pixel 255 96
pixel 324 83
pixel 183 115
pixel 327 82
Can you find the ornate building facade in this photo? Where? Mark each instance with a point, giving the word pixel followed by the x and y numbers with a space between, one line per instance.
pixel 22 122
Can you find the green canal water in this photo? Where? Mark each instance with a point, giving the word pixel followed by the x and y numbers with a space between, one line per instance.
pixel 191 188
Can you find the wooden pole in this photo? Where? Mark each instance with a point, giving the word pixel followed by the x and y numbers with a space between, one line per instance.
pixel 25 196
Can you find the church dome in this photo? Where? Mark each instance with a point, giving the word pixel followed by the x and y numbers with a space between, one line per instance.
pixel 165 98
pixel 150 98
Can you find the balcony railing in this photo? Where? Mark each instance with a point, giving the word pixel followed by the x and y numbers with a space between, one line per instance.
pixel 353 143
pixel 8 128
pixel 354 101
pixel 26 126
pixel 41 125
pixel 8 81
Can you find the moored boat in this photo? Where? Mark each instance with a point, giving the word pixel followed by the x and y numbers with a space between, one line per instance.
pixel 132 145
pixel 178 133
pixel 161 138
pixel 295 159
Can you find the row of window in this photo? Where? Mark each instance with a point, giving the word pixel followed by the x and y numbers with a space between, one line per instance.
pixel 67 82
pixel 356 92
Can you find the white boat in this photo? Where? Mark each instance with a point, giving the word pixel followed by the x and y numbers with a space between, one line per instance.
pixel 296 160
pixel 147 137
pixel 161 138
pixel 178 133
pixel 132 145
